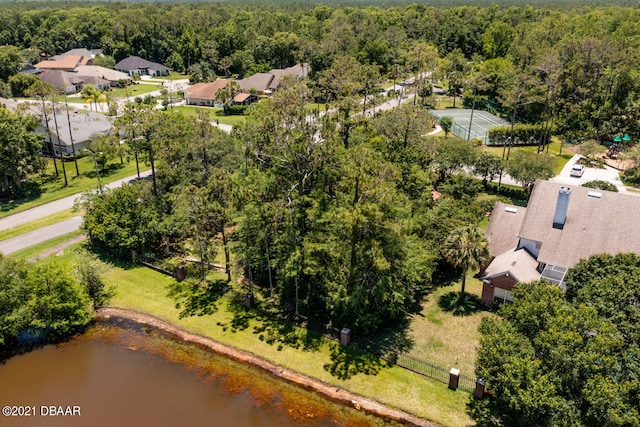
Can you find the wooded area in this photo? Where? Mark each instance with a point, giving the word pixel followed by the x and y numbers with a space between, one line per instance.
pixel 348 219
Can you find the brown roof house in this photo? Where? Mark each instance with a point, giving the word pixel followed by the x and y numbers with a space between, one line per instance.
pixel 561 225
pixel 65 63
pixel 205 93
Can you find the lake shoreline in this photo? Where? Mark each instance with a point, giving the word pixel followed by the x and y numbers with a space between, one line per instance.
pixel 328 391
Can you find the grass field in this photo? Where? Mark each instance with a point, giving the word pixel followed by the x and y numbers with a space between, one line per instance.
pixel 214 114
pixel 554 149
pixel 52 188
pixel 210 312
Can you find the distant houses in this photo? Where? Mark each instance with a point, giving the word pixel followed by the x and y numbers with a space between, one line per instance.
pixel 63 63
pixel 260 84
pixel 69 72
pixel 267 83
pixel 134 65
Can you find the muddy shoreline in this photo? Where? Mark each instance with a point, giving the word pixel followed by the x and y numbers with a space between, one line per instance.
pixel 328 391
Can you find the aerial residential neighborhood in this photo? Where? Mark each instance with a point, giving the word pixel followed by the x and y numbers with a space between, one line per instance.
pixel 310 214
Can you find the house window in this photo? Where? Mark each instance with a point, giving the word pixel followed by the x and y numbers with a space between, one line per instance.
pixel 501 295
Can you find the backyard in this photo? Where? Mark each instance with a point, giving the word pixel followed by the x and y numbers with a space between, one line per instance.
pixel 215 311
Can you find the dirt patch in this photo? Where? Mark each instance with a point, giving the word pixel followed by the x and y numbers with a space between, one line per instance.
pixel 334 393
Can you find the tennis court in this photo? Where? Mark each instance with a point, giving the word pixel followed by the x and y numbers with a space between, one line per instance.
pixel 480 125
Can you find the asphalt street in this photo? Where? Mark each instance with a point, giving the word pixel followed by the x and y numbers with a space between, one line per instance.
pixel 44 234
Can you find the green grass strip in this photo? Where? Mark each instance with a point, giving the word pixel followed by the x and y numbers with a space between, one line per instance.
pixel 37 224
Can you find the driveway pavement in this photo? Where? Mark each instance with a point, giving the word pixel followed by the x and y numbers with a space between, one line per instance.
pixel 607 174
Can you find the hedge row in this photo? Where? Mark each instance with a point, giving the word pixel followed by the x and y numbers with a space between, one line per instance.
pixel 523 134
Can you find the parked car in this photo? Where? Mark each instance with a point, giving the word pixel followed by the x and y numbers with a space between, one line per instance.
pixel 577 171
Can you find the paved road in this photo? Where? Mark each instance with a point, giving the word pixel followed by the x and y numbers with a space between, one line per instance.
pixel 40 235
pixel 54 207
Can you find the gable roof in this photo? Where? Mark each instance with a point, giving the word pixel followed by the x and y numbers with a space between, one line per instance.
pixel 205 90
pixel 504 226
pixel 263 82
pixel 259 82
pixel 240 97
pixel 609 223
pixel 516 263
pixel 68 62
pixel 298 70
pixel 132 63
pixel 102 72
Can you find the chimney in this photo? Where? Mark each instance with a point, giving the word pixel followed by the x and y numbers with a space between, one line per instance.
pixel 562 206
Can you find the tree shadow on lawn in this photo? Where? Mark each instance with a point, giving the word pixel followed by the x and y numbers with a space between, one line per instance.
pixel 271 328
pixel 29 191
pixel 388 341
pixel 461 304
pixel 346 362
pixel 197 300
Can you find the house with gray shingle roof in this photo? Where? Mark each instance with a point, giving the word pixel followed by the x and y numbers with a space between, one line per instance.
pixel 63 81
pixel 561 225
pixel 133 65
pixel 74 130
pixel 115 78
pixel 266 83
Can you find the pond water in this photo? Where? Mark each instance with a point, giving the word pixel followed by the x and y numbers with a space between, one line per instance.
pixel 124 374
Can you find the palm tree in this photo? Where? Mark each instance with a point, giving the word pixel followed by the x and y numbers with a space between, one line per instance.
pixel 466 247
pixel 91 94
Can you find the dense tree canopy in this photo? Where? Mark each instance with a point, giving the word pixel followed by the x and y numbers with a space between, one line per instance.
pixel 42 299
pixel 20 151
pixel 573 359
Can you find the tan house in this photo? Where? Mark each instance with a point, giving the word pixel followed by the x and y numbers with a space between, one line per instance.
pixel 115 78
pixel 205 93
pixel 561 225
pixel 63 81
pixel 65 63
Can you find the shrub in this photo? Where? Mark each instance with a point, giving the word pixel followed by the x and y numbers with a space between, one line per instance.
pixel 234 110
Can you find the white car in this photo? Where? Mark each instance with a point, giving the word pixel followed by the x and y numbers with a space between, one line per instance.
pixel 577 171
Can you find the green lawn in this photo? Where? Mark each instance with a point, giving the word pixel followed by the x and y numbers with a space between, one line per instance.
pixel 445 339
pixel 173 76
pixel 554 149
pixel 208 313
pixel 134 90
pixel 53 188
pixel 214 114
pixel 34 225
pixel 33 251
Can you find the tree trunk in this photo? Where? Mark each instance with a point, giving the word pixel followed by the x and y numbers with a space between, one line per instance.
pixel 464 281
pixel 227 269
